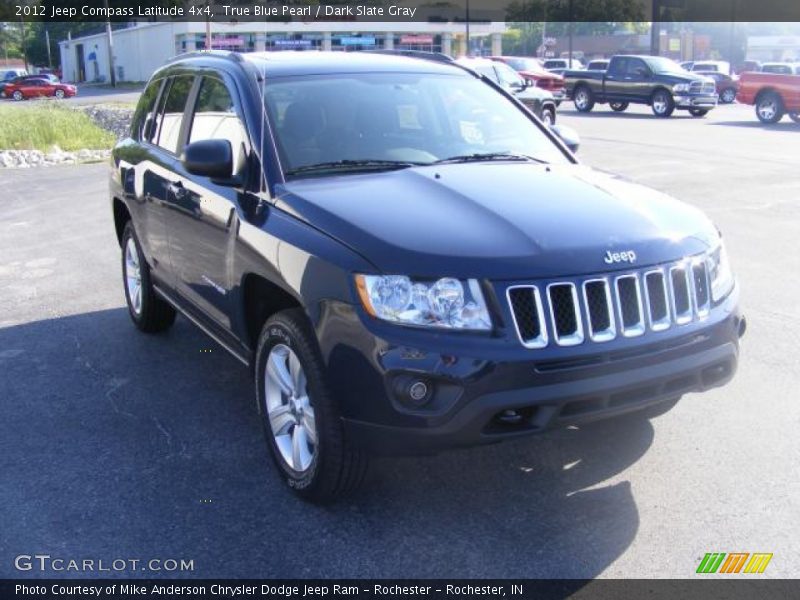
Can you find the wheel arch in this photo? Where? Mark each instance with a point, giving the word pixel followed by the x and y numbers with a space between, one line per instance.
pixel 658 88
pixel 768 90
pixel 121 216
pixel 260 299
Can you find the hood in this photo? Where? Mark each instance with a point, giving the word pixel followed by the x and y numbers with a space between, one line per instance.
pixel 497 220
pixel 683 78
pixel 541 75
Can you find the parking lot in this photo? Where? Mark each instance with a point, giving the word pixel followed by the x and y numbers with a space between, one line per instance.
pixel 118 445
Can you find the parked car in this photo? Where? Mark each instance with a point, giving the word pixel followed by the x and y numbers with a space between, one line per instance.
pixel 718 66
pixel 539 101
pixel 779 68
pixel 532 70
pixel 653 80
pixel 773 95
pixel 406 259
pixel 36 87
pixel 9 74
pixel 559 65
pixel 24 80
pixel 598 65
pixel 727 85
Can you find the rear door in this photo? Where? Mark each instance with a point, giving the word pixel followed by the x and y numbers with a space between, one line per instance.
pixel 614 79
pixel 204 214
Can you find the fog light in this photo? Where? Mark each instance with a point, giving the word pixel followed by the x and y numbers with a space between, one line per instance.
pixel 418 391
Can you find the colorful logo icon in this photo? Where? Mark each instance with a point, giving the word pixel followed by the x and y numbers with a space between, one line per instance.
pixel 734 562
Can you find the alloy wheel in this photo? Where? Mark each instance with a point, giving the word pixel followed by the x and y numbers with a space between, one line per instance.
pixel 660 104
pixel 768 109
pixel 289 409
pixel 133 277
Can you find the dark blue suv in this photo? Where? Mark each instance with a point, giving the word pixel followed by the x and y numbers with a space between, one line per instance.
pixel 407 259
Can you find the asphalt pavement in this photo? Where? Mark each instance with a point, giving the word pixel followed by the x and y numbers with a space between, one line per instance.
pixel 118 445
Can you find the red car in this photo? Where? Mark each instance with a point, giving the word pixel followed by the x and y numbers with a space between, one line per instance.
pixel 34 87
pixel 772 95
pixel 531 70
pixel 727 85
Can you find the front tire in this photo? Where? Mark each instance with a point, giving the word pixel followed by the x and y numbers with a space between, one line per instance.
pixel 148 312
pixel 618 106
pixel 769 108
pixel 301 418
pixel 59 94
pixel 662 104
pixel 727 96
pixel 17 95
pixel 583 99
pixel 548 116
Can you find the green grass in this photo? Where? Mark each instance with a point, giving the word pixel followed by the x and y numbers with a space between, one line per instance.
pixel 42 125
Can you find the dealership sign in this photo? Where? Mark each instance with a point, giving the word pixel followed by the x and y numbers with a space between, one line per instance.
pixel 225 42
pixel 426 40
pixel 354 40
pixel 292 43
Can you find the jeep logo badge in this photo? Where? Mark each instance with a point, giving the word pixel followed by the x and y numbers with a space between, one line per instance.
pixel 628 256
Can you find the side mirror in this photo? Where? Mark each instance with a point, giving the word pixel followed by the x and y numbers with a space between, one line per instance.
pixel 567 135
pixel 209 158
pixel 518 86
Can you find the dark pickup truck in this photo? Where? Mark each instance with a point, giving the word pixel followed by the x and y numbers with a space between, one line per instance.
pixel 654 80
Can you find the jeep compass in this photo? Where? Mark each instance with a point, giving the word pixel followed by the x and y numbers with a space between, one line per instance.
pixel 407 259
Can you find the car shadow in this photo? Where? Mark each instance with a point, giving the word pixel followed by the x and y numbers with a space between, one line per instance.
pixel 784 125
pixel 116 444
pixel 606 114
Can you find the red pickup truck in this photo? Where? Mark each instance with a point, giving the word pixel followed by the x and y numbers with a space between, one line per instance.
pixel 773 95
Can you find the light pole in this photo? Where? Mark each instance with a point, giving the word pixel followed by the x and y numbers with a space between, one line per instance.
pixel 110 47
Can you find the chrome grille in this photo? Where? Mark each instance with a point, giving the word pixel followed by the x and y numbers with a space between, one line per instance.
pixel 602 307
pixel 705 87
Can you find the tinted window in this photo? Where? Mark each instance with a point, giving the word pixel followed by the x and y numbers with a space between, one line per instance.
pixel 618 66
pixel 418 118
pixel 215 118
pixel 145 114
pixel 636 67
pixel 169 126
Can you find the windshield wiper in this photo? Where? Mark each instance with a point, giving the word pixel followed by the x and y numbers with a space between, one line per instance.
pixel 354 165
pixel 486 156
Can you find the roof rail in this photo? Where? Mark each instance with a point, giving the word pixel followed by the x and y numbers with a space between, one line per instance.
pixel 229 54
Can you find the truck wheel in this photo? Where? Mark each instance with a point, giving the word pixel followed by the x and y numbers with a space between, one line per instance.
pixel 698 112
pixel 583 99
pixel 301 419
pixel 662 104
pixel 769 108
pixel 727 96
pixel 795 117
pixel 618 106
pixel 17 95
pixel 548 116
pixel 148 312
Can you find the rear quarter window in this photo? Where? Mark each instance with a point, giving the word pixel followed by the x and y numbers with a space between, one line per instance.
pixel 144 119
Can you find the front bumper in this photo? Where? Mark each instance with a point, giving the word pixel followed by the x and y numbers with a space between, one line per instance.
pixel 474 384
pixel 707 101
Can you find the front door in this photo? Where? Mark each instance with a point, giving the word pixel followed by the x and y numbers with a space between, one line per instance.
pixel 203 220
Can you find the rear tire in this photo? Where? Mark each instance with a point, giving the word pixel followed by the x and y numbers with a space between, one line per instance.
pixel 662 103
pixel 618 106
pixel 769 108
pixel 301 418
pixel 583 99
pixel 698 112
pixel 59 94
pixel 148 312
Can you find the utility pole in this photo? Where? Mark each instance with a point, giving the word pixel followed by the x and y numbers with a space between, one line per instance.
pixel 110 48
pixel 24 46
pixel 467 27
pixel 571 20
pixel 47 41
pixel 655 29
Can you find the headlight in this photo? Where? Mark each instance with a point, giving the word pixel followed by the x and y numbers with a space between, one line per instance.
pixel 680 87
pixel 446 303
pixel 720 273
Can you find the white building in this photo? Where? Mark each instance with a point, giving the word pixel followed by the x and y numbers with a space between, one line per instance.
pixel 777 48
pixel 142 48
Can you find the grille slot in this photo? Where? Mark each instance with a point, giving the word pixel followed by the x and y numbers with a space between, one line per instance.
pixel 599 312
pixel 629 305
pixel 565 314
pixel 681 302
pixel 702 301
pixel 526 310
pixel 655 288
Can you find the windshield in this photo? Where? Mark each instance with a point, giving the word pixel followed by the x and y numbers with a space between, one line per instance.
pixel 376 119
pixel 659 64
pixel 524 64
